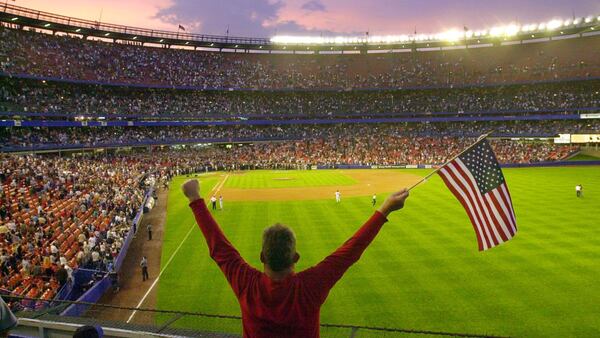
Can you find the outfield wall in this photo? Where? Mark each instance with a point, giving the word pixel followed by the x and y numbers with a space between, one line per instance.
pixel 429 166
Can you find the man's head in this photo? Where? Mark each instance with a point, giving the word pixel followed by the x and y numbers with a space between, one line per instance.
pixel 279 248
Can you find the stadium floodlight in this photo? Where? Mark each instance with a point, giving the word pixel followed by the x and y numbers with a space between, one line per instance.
pixel 78 30
pixel 161 40
pixel 511 30
pixel 47 25
pixel 106 34
pixel 135 37
pixel 496 31
pixel 450 36
pixel 529 28
pixel 553 24
pixel 14 19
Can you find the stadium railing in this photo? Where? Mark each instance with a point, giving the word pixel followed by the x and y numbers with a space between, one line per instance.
pixel 167 323
pixel 67 21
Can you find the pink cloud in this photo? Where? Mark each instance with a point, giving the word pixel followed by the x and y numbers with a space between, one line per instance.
pixel 138 13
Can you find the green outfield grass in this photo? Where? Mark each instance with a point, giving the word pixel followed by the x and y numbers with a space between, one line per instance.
pixel 423 271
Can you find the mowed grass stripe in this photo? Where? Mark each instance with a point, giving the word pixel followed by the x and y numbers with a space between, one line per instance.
pixel 423 271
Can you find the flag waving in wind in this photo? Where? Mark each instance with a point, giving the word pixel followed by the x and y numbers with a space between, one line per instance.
pixel 475 178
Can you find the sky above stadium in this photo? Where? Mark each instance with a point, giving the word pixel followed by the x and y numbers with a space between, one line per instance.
pixel 265 18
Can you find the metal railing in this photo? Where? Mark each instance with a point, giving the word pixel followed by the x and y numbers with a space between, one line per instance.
pixel 196 324
pixel 122 29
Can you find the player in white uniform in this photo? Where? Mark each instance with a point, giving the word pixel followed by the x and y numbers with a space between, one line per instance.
pixel 579 190
pixel 374 199
pixel 221 202
pixel 338 196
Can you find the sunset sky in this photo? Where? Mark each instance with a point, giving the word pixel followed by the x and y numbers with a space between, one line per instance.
pixel 265 18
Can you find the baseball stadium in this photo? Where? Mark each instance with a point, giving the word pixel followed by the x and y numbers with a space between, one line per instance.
pixel 167 183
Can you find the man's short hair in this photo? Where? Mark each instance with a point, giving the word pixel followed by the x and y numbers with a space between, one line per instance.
pixel 279 247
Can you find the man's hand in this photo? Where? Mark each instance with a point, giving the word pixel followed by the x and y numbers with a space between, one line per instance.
pixel 191 190
pixel 394 202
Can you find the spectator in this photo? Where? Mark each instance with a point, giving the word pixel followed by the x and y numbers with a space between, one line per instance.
pixel 281 302
pixel 144 265
pixel 149 227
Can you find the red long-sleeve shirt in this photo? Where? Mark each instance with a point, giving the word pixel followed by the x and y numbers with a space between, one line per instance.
pixel 288 307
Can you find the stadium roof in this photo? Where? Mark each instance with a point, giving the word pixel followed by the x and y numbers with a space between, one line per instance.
pixel 545 31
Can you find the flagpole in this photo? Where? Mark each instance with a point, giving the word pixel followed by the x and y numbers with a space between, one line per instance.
pixel 481 138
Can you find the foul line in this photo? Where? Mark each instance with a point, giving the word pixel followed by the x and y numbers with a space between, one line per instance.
pixel 214 190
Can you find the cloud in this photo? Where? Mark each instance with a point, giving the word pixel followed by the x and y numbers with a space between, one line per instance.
pixel 244 18
pixel 314 6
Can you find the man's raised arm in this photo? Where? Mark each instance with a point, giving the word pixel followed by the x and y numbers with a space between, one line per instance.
pixel 234 267
pixel 324 275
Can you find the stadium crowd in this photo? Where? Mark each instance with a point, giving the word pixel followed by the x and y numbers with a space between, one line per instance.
pixel 372 151
pixel 58 214
pixel 66 57
pixel 104 136
pixel 44 97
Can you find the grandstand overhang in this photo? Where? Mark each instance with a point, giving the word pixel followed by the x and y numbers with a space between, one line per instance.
pixel 21 17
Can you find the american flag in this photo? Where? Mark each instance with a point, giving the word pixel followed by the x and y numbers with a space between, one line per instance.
pixel 475 178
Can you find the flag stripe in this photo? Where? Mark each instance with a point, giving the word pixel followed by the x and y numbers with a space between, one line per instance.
pixel 488 226
pixel 510 204
pixel 500 225
pixel 467 204
pixel 481 240
pixel 476 212
pixel 499 203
